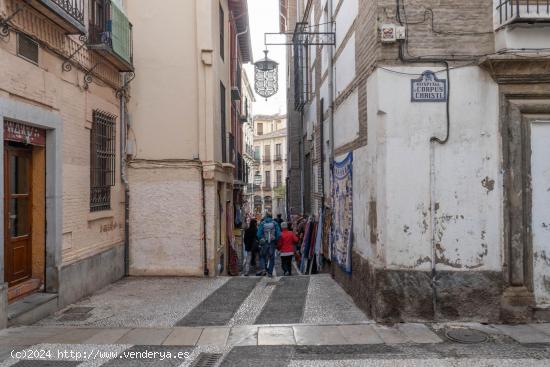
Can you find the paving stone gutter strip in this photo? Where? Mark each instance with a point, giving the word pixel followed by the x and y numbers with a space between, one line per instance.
pixel 218 308
pixel 286 303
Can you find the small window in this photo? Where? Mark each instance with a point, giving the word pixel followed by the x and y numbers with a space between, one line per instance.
pixel 260 128
pixel 278 150
pixel 102 160
pixel 27 48
pixel 222 32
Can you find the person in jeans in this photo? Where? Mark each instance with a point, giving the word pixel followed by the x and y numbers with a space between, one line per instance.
pixel 268 235
pixel 286 244
pixel 250 245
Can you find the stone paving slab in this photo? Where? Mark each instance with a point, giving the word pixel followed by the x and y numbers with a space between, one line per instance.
pixel 27 335
pixel 214 336
pixel 360 334
pixel 73 336
pixel 276 335
pixel 544 328
pixel 390 335
pixel 183 336
pixel 418 333
pixel 106 336
pixel 319 335
pixel 149 336
pixel 524 333
pixel 243 335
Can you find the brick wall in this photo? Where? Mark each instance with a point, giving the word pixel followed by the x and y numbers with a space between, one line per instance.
pixel 45 85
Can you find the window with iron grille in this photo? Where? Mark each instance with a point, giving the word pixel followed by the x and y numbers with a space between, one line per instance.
pixel 102 160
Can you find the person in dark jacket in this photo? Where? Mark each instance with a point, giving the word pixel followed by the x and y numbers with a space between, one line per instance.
pixel 250 245
pixel 279 219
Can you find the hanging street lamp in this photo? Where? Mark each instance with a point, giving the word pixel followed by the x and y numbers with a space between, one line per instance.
pixel 266 76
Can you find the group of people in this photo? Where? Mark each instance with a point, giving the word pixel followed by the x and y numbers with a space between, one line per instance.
pixel 264 240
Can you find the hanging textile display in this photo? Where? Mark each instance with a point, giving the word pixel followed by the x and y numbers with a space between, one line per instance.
pixel 342 215
pixel 327 221
pixel 319 241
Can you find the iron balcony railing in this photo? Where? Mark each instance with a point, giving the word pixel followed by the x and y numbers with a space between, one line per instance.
pixel 278 157
pixel 267 159
pixel 110 33
pixel 514 11
pixel 69 14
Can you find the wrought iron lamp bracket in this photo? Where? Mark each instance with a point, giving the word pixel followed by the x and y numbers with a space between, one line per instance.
pixel 88 77
pixel 302 36
pixel 67 65
pixel 4 23
pixel 120 92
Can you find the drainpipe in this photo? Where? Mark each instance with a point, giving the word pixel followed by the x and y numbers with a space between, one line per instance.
pixel 124 178
pixel 331 91
pixel 206 272
pixel 433 140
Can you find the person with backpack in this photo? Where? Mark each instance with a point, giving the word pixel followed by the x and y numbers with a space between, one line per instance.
pixel 286 244
pixel 268 235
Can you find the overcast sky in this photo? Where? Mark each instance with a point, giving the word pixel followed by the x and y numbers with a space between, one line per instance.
pixel 264 17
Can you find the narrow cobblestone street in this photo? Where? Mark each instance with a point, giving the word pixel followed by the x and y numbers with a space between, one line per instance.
pixel 251 321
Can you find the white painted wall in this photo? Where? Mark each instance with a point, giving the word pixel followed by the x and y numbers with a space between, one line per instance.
pixel 346 121
pixel 361 198
pixel 531 37
pixel 540 173
pixel 468 184
pixel 344 19
pixel 344 68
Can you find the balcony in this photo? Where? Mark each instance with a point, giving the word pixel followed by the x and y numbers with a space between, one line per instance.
pixel 68 14
pixel 267 160
pixel 521 11
pixel 518 23
pixel 110 34
pixel 267 187
pixel 278 157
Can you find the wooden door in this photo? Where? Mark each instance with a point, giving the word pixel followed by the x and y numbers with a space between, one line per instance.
pixel 17 215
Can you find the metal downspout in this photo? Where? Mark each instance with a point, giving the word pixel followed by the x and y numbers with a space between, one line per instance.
pixel 433 140
pixel 124 178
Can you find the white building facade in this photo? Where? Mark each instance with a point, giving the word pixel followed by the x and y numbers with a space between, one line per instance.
pixel 446 115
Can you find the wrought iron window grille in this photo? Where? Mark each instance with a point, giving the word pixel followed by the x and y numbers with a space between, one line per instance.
pixel 102 160
pixel 74 8
pixel 510 11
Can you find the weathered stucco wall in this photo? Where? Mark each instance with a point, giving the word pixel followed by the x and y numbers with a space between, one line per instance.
pixel 165 220
pixel 467 188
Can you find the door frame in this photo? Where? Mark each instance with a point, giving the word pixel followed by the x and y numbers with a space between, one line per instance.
pixel 518 111
pixel 53 124
pixel 28 153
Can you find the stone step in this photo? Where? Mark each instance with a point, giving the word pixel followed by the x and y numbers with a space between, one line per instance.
pixel 32 308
